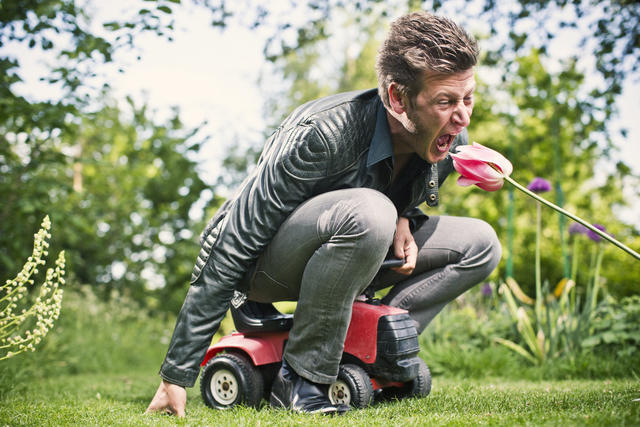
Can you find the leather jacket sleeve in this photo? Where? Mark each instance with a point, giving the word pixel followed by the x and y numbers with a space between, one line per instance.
pixel 416 218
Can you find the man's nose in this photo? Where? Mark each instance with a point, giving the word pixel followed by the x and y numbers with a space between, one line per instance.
pixel 462 115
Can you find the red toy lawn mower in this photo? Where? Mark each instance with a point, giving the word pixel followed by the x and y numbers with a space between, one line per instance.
pixel 380 358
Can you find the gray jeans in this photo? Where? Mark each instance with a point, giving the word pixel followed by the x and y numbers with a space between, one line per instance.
pixel 330 249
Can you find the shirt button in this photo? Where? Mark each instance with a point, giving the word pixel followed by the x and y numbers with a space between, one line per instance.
pixel 432 197
pixel 432 183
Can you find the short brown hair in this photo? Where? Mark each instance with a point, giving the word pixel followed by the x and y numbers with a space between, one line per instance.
pixel 418 42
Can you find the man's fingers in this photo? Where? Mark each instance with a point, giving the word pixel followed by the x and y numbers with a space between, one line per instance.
pixel 177 399
pixel 410 255
pixel 169 398
pixel 159 401
pixel 157 404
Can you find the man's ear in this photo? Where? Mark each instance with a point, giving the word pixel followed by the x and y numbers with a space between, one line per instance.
pixel 396 99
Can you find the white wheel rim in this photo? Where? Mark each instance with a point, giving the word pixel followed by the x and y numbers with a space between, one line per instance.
pixel 224 387
pixel 339 393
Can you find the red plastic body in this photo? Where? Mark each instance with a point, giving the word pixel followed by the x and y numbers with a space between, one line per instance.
pixel 264 348
pixel 362 335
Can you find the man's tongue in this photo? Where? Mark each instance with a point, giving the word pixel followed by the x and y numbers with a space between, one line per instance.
pixel 443 142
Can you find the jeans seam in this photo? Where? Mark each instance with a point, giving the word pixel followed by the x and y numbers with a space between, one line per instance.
pixel 421 286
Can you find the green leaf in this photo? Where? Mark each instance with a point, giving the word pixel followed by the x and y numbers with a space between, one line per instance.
pixel 113 25
pixel 165 9
pixel 591 341
pixel 609 337
pixel 518 349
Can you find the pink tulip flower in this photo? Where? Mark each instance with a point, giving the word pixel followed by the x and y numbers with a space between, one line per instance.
pixel 481 166
pixel 488 169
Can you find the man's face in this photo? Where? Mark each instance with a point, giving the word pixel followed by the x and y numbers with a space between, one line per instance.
pixel 441 110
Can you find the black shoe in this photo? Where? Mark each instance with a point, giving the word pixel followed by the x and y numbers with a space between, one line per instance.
pixel 291 391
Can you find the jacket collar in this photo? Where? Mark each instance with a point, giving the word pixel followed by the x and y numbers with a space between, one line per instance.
pixel 381 147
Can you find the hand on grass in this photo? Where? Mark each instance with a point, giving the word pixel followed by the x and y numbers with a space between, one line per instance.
pixel 169 398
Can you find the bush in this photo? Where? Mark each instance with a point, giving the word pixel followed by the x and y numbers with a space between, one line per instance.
pixel 93 336
pixel 460 343
pixel 615 327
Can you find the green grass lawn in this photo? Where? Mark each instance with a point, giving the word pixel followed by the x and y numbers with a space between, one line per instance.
pixel 120 399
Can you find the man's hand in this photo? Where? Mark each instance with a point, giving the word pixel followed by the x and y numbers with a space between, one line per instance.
pixel 169 398
pixel 404 247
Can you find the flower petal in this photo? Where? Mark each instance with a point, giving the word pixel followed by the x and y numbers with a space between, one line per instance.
pixel 476 169
pixel 539 185
pixel 491 186
pixel 481 166
pixel 465 182
pixel 479 152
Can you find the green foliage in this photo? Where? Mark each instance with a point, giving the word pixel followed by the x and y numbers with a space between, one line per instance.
pixel 564 324
pixel 23 324
pixel 120 184
pixel 523 126
pixel 93 336
pixel 607 29
pixel 615 327
pixel 463 340
pixel 459 341
pixel 121 190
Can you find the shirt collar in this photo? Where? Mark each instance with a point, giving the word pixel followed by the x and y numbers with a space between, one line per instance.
pixel 380 147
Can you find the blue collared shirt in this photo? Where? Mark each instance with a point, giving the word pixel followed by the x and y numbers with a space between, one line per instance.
pixel 381 147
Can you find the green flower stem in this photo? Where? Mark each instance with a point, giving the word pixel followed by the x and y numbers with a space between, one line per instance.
pixel 510 227
pixel 574 269
pixel 574 261
pixel 596 280
pixel 538 273
pixel 622 246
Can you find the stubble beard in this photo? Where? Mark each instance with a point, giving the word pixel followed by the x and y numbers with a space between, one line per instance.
pixel 419 134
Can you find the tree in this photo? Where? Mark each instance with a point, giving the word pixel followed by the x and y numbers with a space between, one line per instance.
pixel 121 193
pixel 120 189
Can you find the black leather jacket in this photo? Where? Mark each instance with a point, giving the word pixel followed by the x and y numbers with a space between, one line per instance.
pixel 337 142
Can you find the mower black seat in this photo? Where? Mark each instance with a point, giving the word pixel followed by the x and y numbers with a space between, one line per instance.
pixel 254 316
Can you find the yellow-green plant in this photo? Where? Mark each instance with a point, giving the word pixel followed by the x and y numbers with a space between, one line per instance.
pixel 24 323
pixel 558 326
pixel 536 342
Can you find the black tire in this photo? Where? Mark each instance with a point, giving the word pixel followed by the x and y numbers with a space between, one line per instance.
pixel 231 379
pixel 353 387
pixel 419 387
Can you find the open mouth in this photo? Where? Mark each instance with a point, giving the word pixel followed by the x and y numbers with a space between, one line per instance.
pixel 443 143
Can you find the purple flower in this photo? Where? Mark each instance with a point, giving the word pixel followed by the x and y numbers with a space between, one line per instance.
pixel 539 185
pixel 577 228
pixel 595 236
pixel 487 290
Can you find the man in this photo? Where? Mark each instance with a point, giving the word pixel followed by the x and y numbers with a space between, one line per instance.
pixel 337 186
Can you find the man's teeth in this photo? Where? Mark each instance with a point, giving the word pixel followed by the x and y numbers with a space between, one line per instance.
pixel 444 140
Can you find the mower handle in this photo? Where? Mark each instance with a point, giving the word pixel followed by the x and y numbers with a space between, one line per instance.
pixel 392 262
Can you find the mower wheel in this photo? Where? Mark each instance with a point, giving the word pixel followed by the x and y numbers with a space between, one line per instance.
pixel 419 387
pixel 353 387
pixel 231 379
